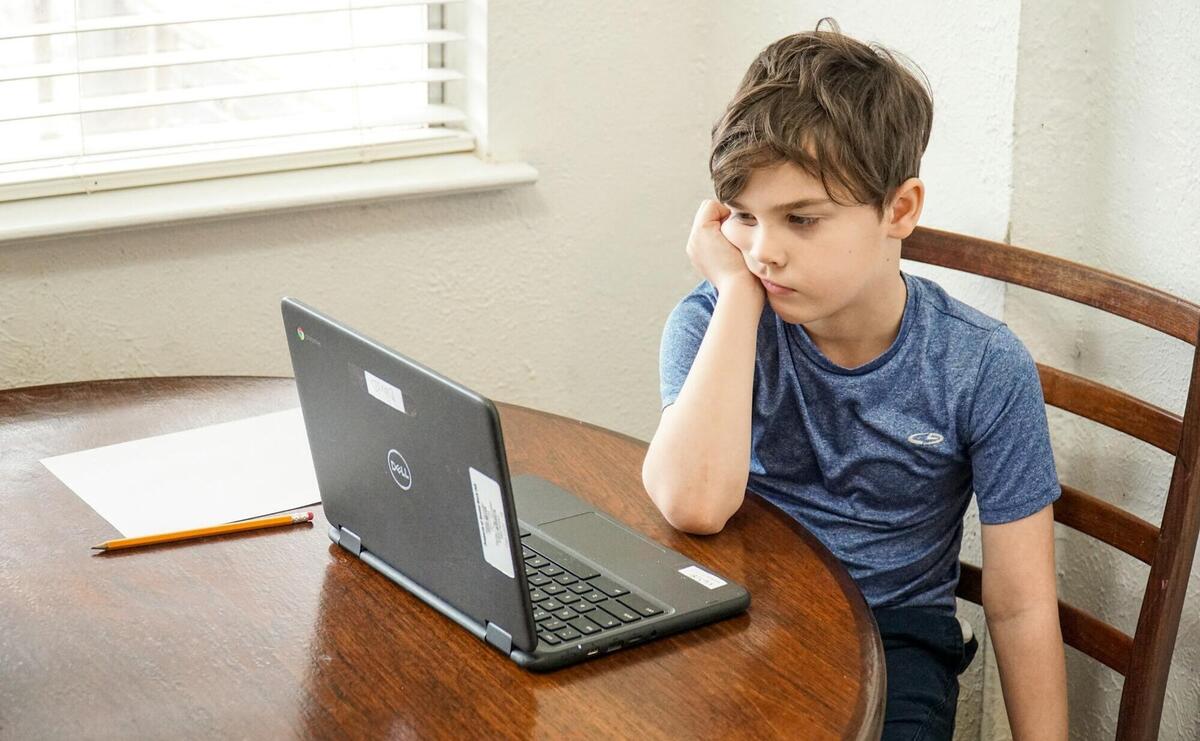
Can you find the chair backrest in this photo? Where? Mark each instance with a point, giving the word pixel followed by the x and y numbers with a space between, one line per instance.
pixel 1145 658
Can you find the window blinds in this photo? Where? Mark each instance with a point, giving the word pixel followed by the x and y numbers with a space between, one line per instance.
pixel 98 94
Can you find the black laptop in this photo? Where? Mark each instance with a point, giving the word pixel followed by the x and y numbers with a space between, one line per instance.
pixel 414 481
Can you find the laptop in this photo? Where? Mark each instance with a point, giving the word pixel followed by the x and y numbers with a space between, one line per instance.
pixel 414 481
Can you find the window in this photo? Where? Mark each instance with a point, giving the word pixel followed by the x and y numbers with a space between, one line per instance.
pixel 103 94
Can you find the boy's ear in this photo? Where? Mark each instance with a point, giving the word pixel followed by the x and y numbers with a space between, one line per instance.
pixel 905 208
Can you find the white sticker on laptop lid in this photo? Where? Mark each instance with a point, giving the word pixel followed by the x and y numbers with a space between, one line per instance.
pixel 493 528
pixel 384 391
pixel 697 574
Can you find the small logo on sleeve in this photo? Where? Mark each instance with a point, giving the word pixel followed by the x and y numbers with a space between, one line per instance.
pixel 925 438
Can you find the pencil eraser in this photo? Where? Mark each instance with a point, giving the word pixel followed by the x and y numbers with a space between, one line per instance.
pixel 310 516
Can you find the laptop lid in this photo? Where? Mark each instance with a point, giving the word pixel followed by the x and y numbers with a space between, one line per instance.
pixel 413 465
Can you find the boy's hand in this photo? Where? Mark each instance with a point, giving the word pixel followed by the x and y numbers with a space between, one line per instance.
pixel 712 254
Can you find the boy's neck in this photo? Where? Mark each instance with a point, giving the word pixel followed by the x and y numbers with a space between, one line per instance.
pixel 862 332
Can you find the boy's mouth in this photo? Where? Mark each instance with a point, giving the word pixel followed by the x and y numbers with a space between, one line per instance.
pixel 774 288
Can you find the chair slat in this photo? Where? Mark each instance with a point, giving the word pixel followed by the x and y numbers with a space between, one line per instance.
pixel 1053 275
pixel 1112 408
pixel 1080 629
pixel 1095 638
pixel 1105 522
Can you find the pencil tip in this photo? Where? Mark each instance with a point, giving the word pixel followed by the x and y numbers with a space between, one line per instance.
pixel 99 548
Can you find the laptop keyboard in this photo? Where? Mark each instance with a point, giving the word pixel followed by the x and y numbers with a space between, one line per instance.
pixel 572 600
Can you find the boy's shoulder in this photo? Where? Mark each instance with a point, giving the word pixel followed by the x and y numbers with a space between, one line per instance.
pixel 949 312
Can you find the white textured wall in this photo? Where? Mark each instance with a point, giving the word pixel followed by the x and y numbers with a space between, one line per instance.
pixel 1107 172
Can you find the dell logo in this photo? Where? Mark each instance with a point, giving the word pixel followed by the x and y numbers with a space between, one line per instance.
pixel 399 469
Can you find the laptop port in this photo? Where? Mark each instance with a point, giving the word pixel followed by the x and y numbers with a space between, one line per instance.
pixel 613 647
pixel 593 652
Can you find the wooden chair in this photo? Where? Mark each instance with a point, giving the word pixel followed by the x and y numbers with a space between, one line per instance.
pixel 1145 658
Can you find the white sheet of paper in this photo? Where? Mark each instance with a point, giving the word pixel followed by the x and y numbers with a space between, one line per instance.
pixel 204 476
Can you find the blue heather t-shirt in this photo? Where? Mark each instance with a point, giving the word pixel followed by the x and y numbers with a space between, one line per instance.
pixel 879 461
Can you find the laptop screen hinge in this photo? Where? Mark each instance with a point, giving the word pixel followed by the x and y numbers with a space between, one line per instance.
pixel 496 636
pixel 350 541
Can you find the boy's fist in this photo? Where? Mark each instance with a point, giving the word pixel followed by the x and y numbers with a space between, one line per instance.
pixel 711 253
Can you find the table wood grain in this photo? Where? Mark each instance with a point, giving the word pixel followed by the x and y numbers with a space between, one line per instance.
pixel 280 634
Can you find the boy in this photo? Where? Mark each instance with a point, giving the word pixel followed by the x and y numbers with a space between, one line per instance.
pixel 865 402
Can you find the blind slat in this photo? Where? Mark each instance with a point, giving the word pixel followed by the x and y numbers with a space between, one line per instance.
pixel 204 56
pixel 225 92
pixel 284 155
pixel 146 20
pixel 212 137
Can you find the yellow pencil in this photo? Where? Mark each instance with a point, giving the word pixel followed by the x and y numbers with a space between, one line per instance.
pixel 233 527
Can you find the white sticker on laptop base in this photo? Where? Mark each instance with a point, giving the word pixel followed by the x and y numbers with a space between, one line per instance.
pixel 385 392
pixel 493 529
pixel 697 574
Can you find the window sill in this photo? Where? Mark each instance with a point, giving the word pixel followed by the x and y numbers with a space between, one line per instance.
pixel 246 194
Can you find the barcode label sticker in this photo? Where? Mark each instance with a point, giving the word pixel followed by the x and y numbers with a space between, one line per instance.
pixel 384 391
pixel 699 575
pixel 493 528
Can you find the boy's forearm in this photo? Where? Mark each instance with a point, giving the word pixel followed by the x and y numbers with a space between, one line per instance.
pixel 1029 652
pixel 699 460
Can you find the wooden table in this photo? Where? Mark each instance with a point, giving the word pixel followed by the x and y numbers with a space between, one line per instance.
pixel 280 634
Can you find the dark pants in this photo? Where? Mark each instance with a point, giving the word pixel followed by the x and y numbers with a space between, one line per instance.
pixel 925 654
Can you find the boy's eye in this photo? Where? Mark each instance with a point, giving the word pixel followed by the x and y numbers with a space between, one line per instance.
pixel 802 220
pixel 742 216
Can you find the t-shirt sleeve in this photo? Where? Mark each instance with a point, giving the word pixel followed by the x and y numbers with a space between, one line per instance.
pixel 681 339
pixel 1011 460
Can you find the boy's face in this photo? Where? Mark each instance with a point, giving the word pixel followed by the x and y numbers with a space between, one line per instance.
pixel 815 257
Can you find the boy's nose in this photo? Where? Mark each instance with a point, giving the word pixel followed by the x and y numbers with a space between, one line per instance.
pixel 766 252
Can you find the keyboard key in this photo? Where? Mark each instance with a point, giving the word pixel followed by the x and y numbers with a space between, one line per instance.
pixel 639 605
pixel 526 553
pixel 553 589
pixel 603 619
pixel 580 587
pixel 550 604
pixel 565 579
pixel 553 625
pixel 594 596
pixel 537 595
pixel 583 606
pixel 584 626
pixel 536 562
pixel 538 580
pixel 550 638
pixel 565 614
pixel 550 570
pixel 608 586
pixel 568 598
pixel 529 571
pixel 619 611
pixel 568 634
pixel 561 557
pixel 539 614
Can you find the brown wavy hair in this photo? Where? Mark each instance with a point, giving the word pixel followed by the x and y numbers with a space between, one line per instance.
pixel 850 114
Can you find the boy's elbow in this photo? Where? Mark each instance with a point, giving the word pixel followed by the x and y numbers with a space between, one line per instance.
pixel 683 513
pixel 696 523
